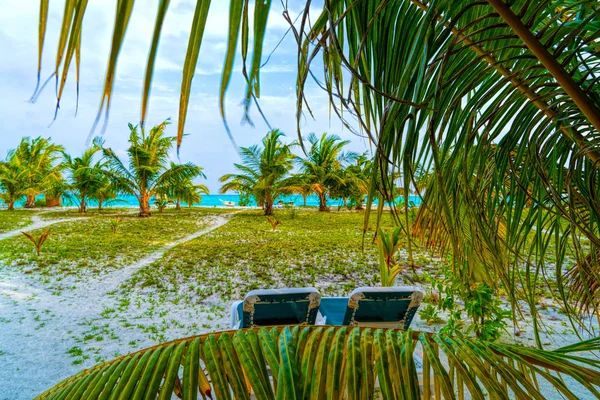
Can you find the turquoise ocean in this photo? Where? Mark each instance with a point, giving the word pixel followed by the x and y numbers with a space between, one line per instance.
pixel 218 200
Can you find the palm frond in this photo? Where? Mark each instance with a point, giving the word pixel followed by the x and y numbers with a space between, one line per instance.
pixel 337 362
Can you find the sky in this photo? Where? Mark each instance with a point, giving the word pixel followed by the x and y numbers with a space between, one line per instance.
pixel 206 143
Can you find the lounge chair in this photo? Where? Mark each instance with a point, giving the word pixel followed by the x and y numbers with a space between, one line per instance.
pixel 377 307
pixel 276 307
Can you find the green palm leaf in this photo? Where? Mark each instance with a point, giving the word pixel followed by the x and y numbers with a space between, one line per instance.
pixel 452 366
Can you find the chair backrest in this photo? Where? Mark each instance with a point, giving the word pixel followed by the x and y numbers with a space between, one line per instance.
pixel 280 307
pixel 384 307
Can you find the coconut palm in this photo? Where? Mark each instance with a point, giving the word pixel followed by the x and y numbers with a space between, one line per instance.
pixel 41 160
pixel 105 191
pixel 183 189
pixel 87 178
pixel 263 171
pixel 355 182
pixel 148 172
pixel 298 184
pixel 12 181
pixel 323 165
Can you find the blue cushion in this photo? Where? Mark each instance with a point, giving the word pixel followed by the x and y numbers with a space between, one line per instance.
pixel 279 307
pixel 334 310
pixel 373 305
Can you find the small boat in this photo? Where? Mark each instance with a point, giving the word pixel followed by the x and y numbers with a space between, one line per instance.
pixel 228 203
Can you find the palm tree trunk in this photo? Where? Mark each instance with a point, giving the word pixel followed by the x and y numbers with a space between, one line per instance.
pixel 304 198
pixel 145 205
pixel 323 202
pixel 178 205
pixel 30 201
pixel 99 204
pixel 82 205
pixel 11 204
pixel 268 207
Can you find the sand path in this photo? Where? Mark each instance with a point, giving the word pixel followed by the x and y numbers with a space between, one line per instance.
pixel 36 223
pixel 38 326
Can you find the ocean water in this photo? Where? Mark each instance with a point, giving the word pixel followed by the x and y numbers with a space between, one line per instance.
pixel 217 200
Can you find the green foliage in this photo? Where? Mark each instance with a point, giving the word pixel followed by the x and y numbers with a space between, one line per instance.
pixel 430 315
pixel 30 170
pixel 262 172
pixel 161 203
pixel 323 166
pixel 40 202
pixel 389 244
pixel 39 241
pixel 481 304
pixel 149 172
pixel 354 183
pixel 114 224
pixel 244 199
pixel 89 179
pixel 335 362
pixel 291 210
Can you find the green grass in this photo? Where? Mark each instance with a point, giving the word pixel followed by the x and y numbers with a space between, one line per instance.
pixel 88 244
pixel 132 211
pixel 323 250
pixel 11 220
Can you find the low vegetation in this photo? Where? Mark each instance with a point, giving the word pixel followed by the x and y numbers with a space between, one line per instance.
pixel 312 249
pixel 88 244
pixel 12 220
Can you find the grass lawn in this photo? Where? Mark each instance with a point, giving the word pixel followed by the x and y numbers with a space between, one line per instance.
pixel 323 250
pixel 15 219
pixel 88 245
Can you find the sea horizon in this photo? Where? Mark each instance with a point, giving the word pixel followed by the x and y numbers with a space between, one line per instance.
pixel 214 200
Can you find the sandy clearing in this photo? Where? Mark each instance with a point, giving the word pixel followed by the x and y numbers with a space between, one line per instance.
pixel 39 326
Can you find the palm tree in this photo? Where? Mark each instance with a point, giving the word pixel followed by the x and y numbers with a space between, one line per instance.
pixel 40 158
pixel 298 184
pixel 500 98
pixel 183 189
pixel 323 165
pixel 87 178
pixel 105 191
pixel 263 171
pixel 354 182
pixel 148 172
pixel 12 181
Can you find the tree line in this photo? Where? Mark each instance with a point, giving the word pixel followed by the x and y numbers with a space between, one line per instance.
pixel 38 166
pixel 266 172
pixel 326 170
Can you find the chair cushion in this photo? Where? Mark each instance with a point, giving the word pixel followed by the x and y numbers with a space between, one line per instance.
pixel 333 309
pixel 280 307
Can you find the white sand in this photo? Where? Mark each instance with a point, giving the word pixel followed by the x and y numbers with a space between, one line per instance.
pixel 38 327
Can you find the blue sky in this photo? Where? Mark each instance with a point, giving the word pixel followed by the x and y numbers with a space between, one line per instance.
pixel 207 144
